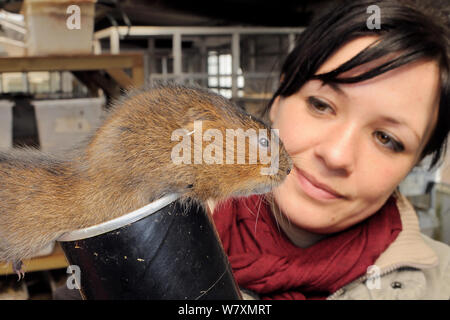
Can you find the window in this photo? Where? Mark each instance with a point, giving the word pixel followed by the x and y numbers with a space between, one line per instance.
pixel 220 74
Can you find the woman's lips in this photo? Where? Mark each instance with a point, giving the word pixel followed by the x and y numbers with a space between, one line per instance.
pixel 314 188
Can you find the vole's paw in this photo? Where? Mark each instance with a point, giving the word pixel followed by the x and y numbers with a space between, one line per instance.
pixel 17 268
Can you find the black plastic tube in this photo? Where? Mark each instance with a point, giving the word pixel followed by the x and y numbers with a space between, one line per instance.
pixel 165 250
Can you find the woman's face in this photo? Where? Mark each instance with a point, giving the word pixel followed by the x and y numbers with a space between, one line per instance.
pixel 352 144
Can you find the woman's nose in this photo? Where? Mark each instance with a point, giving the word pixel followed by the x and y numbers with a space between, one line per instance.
pixel 338 149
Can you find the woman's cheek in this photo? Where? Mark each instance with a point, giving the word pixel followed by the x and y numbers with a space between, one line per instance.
pixel 296 132
pixel 381 179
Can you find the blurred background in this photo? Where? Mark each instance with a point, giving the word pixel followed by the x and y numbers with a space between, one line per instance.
pixel 61 66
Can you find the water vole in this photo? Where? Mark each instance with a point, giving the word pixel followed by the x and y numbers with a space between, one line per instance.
pixel 130 161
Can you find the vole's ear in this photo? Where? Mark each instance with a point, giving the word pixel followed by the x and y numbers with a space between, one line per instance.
pixel 189 128
pixel 198 114
pixel 197 121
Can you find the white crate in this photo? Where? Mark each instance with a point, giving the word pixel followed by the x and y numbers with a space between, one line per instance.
pixel 64 123
pixel 6 123
pixel 12 48
pixel 48 32
pixel 12 25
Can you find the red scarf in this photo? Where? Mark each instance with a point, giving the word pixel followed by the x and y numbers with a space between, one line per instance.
pixel 268 263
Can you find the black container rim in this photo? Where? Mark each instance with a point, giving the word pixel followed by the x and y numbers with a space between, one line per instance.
pixel 121 221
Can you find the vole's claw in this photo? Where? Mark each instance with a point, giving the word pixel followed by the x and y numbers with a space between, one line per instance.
pixel 17 268
pixel 20 275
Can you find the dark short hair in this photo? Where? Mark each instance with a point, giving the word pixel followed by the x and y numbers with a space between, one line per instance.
pixel 405 28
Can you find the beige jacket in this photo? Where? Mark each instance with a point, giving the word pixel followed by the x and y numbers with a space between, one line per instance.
pixel 413 267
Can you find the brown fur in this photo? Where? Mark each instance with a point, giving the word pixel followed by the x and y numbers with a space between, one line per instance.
pixel 125 165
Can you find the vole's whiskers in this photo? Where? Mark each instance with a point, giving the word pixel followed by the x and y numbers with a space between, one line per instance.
pixel 253 213
pixel 271 200
pixel 257 213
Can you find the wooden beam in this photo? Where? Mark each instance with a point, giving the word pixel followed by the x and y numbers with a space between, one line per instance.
pixel 95 79
pixel 121 77
pixel 86 78
pixel 68 63
pixel 138 76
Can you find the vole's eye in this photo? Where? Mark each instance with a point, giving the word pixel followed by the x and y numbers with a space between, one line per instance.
pixel 264 142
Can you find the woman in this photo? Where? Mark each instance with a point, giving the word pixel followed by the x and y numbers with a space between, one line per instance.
pixel 357 108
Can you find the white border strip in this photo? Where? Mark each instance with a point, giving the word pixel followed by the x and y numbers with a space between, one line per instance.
pixel 120 221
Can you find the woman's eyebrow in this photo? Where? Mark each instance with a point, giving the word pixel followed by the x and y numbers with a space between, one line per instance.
pixel 336 88
pixel 402 123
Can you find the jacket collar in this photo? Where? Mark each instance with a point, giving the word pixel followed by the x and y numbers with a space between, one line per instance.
pixel 409 248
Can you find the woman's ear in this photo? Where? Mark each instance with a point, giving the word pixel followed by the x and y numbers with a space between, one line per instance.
pixel 273 112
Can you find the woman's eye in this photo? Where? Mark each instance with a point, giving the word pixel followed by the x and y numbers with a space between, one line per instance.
pixel 319 106
pixel 389 142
